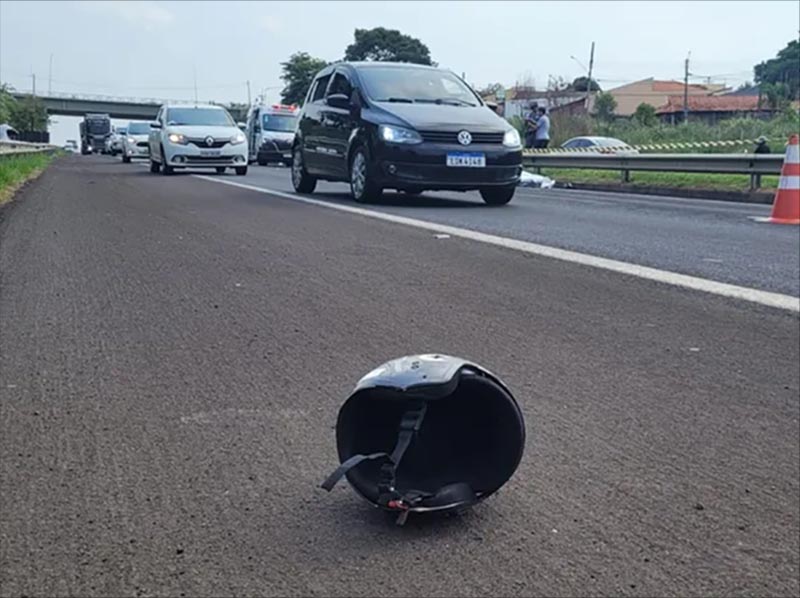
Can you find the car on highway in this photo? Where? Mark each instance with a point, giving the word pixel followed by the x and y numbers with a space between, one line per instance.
pixel 71 146
pixel 114 141
pixel 270 132
pixel 136 143
pixel 381 125
pixel 599 145
pixel 196 136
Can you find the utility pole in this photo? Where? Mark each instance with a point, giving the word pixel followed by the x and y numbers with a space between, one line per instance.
pixel 686 89
pixel 248 93
pixel 194 69
pixel 33 76
pixel 591 68
pixel 50 77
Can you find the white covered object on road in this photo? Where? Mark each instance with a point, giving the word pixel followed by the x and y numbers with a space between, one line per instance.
pixel 528 179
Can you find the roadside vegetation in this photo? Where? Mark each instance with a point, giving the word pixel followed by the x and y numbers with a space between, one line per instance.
pixel 633 132
pixel 16 170
pixel 678 180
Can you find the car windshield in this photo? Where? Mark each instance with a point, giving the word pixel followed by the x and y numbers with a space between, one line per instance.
pixel 213 117
pixel 279 122
pixel 393 84
pixel 99 126
pixel 138 128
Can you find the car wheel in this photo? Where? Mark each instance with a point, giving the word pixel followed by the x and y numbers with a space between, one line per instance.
pixel 241 170
pixel 165 168
pixel 498 196
pixel 362 187
pixel 125 159
pixel 262 162
pixel 287 163
pixel 155 167
pixel 301 180
pixel 220 169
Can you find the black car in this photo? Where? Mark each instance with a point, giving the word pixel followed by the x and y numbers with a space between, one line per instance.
pixel 403 126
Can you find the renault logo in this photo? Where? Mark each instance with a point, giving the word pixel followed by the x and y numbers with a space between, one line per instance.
pixel 464 138
pixel 209 141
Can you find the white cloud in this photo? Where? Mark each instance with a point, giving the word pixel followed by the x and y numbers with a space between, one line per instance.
pixel 145 13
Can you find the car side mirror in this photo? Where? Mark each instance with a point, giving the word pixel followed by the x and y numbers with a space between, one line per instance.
pixel 155 125
pixel 339 100
pixel 242 126
pixel 492 106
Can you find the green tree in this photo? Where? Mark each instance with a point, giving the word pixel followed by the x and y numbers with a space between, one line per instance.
pixel 387 45
pixel 645 115
pixel 7 104
pixel 784 68
pixel 298 73
pixel 604 106
pixel 582 84
pixel 29 115
pixel 776 95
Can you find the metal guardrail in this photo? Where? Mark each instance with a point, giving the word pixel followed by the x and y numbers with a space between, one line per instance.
pixel 20 148
pixel 754 165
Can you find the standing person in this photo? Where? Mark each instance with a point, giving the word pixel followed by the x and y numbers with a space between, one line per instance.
pixel 761 148
pixel 542 134
pixel 530 125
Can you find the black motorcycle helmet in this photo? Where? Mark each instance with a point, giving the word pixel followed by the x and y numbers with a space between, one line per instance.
pixel 428 433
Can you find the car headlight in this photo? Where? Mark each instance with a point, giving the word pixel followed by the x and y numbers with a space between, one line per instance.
pixel 237 139
pixel 511 138
pixel 178 138
pixel 131 140
pixel 392 134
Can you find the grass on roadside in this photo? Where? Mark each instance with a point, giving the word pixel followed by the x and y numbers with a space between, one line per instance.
pixel 15 170
pixel 722 182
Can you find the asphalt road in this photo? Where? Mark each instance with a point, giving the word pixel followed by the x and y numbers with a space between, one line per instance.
pixel 716 240
pixel 173 353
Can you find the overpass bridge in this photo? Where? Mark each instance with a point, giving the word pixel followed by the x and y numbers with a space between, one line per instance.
pixel 117 107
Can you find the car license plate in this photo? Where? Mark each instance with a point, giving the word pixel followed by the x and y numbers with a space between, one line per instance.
pixel 210 152
pixel 466 159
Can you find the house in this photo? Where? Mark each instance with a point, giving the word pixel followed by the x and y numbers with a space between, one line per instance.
pixel 654 92
pixel 517 100
pixel 712 109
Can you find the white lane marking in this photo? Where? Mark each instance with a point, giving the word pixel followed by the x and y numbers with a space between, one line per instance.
pixel 785 302
pixel 441 236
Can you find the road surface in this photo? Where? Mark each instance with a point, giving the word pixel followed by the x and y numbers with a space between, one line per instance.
pixel 174 352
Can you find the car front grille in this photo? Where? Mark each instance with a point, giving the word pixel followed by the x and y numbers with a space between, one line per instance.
pixel 143 144
pixel 218 143
pixel 452 137
pixel 207 159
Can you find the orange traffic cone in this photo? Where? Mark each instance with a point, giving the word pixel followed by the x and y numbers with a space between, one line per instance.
pixel 786 208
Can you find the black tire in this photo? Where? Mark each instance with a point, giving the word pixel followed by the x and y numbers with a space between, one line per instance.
pixel 155 167
pixel 498 196
pixel 166 169
pixel 126 159
pixel 362 186
pixel 220 169
pixel 241 170
pixel 287 163
pixel 262 162
pixel 301 180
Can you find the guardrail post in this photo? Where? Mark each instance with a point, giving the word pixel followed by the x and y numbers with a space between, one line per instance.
pixel 626 176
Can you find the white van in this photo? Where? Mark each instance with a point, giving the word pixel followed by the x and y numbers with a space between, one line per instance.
pixel 270 132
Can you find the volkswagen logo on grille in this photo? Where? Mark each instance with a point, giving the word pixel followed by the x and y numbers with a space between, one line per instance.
pixel 464 138
pixel 209 141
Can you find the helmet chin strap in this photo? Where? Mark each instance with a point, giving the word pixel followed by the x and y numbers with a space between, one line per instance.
pixel 388 496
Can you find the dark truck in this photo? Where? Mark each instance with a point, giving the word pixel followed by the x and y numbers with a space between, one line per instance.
pixel 95 129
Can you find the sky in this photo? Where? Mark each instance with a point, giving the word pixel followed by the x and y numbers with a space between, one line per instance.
pixel 149 49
